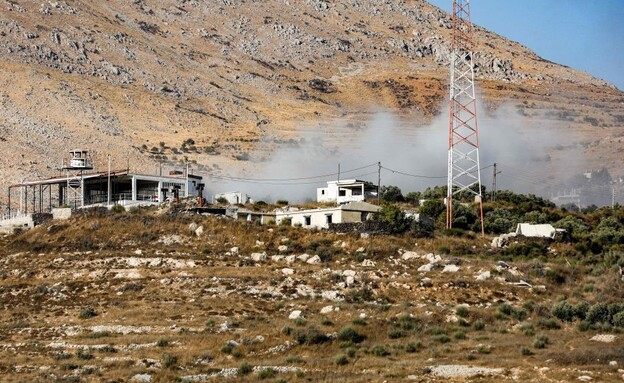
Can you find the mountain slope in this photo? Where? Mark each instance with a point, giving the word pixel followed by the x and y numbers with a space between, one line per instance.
pixel 215 81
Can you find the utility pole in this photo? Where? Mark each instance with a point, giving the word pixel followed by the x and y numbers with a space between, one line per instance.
pixel 612 196
pixel 379 183
pixel 108 199
pixel 464 171
pixel 494 173
pixel 338 173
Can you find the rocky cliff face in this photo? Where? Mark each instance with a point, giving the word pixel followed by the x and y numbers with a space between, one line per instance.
pixel 176 79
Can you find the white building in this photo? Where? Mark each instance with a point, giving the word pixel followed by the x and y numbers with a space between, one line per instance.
pixel 346 191
pixel 232 198
pixel 537 231
pixel 321 218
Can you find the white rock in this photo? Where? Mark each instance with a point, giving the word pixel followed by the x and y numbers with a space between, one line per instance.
pixel 363 316
pixel 368 263
pixel 234 250
pixel 483 276
pixel 409 255
pixel 199 231
pixel 348 273
pixel 142 378
pixel 285 240
pixel 613 363
pixel 287 271
pixel 259 243
pixel 303 257
pixel 350 280
pixel 138 252
pixel 344 244
pixel 450 269
pixel 290 258
pixel 360 250
pixel 364 235
pixel 314 260
pixel 192 226
pixel 433 258
pixel 604 338
pixel 296 314
pixel 327 309
pixel 332 295
pixel 426 268
pixel 585 378
pixel 282 248
pixel 277 258
pixel 257 257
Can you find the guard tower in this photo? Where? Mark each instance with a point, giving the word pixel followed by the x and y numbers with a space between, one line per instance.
pixel 79 161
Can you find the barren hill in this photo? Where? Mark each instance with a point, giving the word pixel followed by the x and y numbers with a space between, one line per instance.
pixel 219 82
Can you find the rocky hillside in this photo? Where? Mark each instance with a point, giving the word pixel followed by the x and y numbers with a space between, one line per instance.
pixel 224 81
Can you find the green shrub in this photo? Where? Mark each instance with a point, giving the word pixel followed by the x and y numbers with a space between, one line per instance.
pixel 162 342
pixel 527 329
pixel 459 335
pixel 618 319
pixel 541 341
pixel 311 336
pixel 479 325
pixel 87 313
pixel 244 369
pixel 526 351
pixel 118 209
pixel 414 347
pixel 341 360
pixel 227 348
pixel 169 361
pixel 548 324
pixel 462 311
pixel 349 334
pixel 327 322
pixel 379 351
pixel 505 309
pixel 359 322
pixel 564 311
pixel 442 338
pixel 267 373
pixel 83 354
pixel 350 352
pixel 395 334
pixel 598 313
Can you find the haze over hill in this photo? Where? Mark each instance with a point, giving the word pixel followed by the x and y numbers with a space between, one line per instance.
pixel 250 88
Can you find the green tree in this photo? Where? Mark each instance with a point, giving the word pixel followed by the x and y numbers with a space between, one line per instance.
pixel 391 193
pixel 395 218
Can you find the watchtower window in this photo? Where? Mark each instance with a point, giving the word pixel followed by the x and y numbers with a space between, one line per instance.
pixel 307 220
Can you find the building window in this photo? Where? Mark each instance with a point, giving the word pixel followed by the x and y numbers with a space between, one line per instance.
pixel 342 193
pixel 322 191
pixel 307 220
pixel 328 218
pixel 364 216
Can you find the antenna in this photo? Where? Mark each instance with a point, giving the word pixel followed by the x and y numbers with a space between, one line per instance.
pixel 464 172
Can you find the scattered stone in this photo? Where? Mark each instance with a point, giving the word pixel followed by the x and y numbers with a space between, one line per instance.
pixel 291 258
pixel 360 250
pixel 327 309
pixel 303 257
pixel 142 378
pixel 585 378
pixel 348 273
pixel 259 243
pixel 604 338
pixel 613 363
pixel 314 260
pixel 296 314
pixel 277 258
pixel 363 316
pixel 460 371
pixel 364 235
pixel 368 263
pixel 282 248
pixel 138 252
pixel 288 271
pixel 192 226
pixel 450 269
pixel 199 231
pixel 483 276
pixel 409 255
pixel 426 268
pixel 257 257
pixel 234 250
pixel 432 258
pixel 350 280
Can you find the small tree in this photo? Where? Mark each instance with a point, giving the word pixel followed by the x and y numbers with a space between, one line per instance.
pixel 395 218
pixel 391 193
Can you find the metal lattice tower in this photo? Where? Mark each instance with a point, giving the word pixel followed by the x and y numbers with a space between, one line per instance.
pixel 464 173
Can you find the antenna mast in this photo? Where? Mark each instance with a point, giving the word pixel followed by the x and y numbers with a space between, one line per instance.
pixel 464 172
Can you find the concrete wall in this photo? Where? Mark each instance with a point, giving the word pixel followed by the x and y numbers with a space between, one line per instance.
pixel 318 219
pixel 24 222
pixel 61 213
